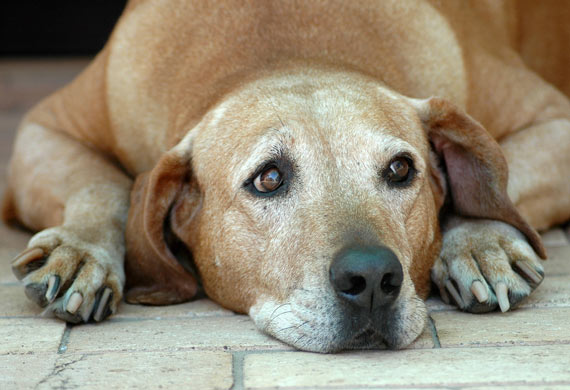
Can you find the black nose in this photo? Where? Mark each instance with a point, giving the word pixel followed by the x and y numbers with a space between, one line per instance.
pixel 367 277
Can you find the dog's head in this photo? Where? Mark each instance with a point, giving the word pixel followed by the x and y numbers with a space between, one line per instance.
pixel 310 201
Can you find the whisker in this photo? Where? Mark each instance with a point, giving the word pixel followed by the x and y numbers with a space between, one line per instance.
pixel 277 308
pixel 293 326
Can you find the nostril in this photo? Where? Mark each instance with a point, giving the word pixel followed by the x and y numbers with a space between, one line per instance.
pixel 357 285
pixel 389 283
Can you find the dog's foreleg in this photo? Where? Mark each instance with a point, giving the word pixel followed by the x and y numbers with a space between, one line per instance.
pixel 539 172
pixel 75 266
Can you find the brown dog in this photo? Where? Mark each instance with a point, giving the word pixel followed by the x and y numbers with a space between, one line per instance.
pixel 288 156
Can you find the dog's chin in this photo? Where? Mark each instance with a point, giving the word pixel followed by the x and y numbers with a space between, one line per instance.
pixel 332 330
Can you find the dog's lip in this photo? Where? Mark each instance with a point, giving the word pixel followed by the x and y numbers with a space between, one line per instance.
pixel 367 338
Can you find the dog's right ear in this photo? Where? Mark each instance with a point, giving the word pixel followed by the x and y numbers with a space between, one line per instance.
pixel 154 276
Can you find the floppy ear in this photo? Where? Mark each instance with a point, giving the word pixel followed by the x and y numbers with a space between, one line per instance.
pixel 477 170
pixel 154 276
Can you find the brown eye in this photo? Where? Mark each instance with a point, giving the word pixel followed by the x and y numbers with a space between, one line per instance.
pixel 268 181
pixel 398 170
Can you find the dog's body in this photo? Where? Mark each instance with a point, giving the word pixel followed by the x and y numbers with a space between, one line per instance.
pixel 286 146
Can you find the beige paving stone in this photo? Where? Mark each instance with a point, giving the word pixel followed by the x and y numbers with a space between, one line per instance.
pixel 553 292
pixel 554 237
pixel 558 262
pixel 30 335
pixel 469 367
pixel 13 239
pixel 140 370
pixel 530 386
pixel 519 327
pixel 6 256
pixel 25 82
pixel 25 371
pixel 213 333
pixel 15 303
pixel 199 308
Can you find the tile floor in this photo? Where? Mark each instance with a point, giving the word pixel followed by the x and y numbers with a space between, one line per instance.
pixel 199 345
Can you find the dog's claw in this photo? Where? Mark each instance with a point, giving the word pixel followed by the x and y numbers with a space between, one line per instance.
pixel 529 272
pixel 20 265
pixel 74 302
pixel 102 310
pixel 52 288
pixel 479 291
pixel 502 294
pixel 454 293
pixel 36 292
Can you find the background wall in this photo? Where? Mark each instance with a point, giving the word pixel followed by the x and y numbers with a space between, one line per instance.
pixel 56 27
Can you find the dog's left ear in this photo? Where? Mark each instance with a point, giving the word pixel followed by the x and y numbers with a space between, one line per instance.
pixel 154 275
pixel 477 170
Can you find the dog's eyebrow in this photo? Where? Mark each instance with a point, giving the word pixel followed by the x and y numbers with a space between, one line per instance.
pixel 272 145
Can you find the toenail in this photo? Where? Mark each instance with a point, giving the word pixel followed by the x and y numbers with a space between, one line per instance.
pixel 53 287
pixel 75 300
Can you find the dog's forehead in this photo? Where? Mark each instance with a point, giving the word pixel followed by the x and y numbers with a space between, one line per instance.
pixel 313 115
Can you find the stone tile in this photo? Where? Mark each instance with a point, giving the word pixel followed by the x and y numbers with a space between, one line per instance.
pixel 553 292
pixel 139 370
pixel 554 237
pixel 12 242
pixel 214 333
pixel 23 83
pixel 13 239
pixel 519 327
pixel 6 256
pixel 558 262
pixel 199 308
pixel 530 386
pixel 8 127
pixel 30 335
pixel 469 367
pixel 15 303
pixel 25 371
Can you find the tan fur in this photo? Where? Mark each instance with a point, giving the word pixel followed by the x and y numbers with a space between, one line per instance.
pixel 190 98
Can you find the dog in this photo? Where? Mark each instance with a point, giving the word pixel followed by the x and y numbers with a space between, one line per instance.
pixel 316 165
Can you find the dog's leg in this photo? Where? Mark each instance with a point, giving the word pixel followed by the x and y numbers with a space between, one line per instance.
pixel 539 172
pixel 75 266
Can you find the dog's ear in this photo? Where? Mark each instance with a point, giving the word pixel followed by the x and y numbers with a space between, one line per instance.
pixel 477 171
pixel 154 275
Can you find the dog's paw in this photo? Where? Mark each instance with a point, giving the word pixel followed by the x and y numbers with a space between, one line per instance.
pixel 484 264
pixel 76 280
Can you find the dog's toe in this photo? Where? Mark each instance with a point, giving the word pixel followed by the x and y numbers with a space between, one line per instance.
pixel 486 265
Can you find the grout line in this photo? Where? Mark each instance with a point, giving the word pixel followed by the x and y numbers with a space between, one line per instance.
pixel 434 336
pixel 237 370
pixel 64 339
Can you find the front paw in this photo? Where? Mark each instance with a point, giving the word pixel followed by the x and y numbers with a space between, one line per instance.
pixel 484 264
pixel 76 280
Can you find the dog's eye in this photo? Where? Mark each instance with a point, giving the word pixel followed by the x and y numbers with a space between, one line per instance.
pixel 268 180
pixel 399 170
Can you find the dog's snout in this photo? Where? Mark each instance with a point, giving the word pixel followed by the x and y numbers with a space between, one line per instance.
pixel 367 277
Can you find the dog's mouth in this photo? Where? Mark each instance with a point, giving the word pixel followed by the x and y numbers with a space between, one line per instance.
pixel 368 338
pixel 322 327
